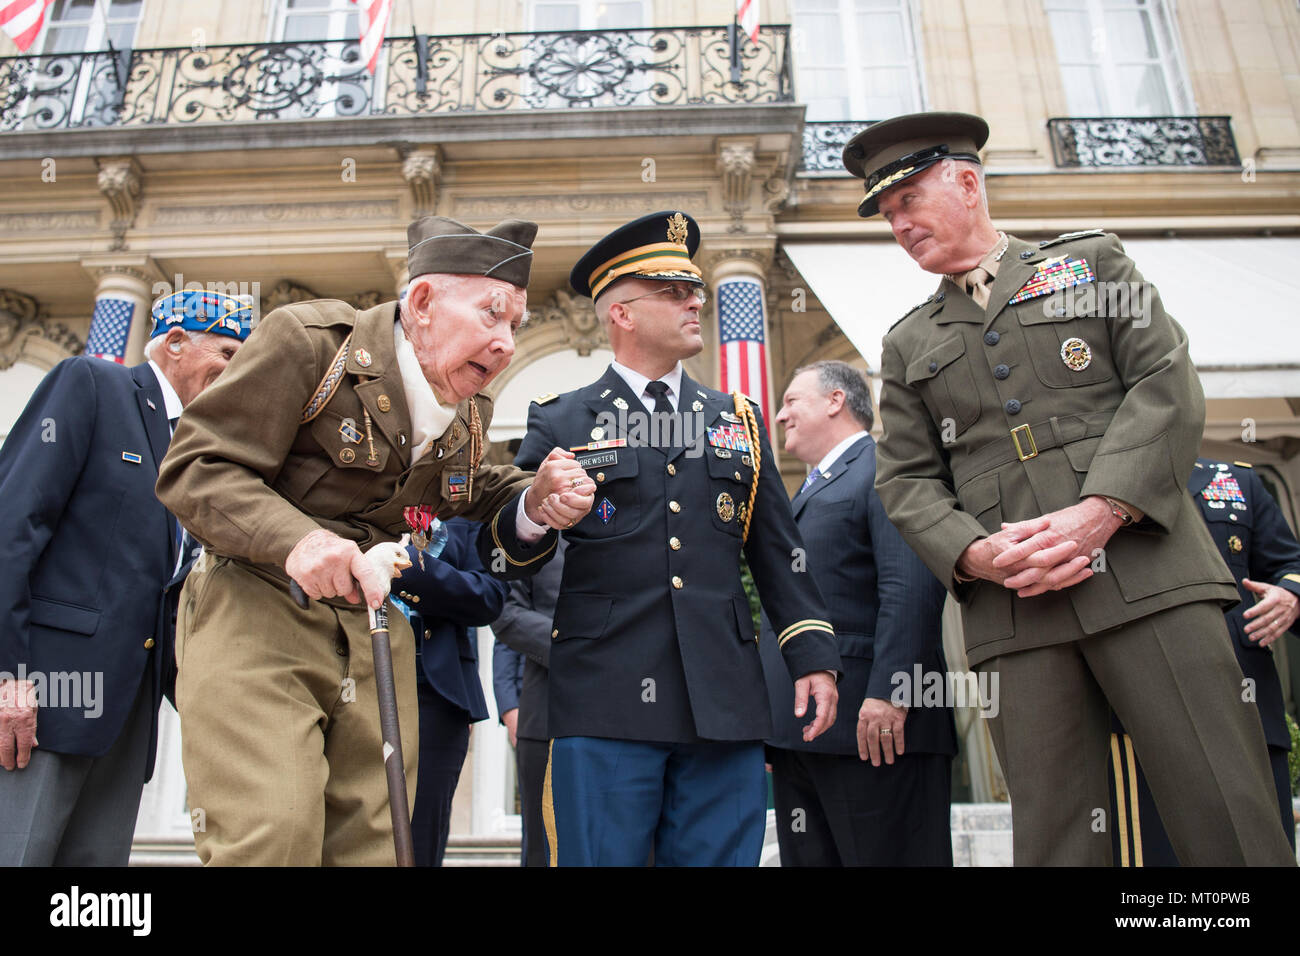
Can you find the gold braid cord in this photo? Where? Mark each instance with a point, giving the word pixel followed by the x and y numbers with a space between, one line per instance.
pixel 747 416
pixel 475 446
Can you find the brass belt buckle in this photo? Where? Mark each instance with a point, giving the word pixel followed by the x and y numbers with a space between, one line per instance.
pixel 1029 437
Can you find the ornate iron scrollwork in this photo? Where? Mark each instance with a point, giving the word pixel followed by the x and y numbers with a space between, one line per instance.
pixel 1143 141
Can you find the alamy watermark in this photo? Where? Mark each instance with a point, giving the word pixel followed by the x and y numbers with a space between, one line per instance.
pixel 922 688
pixel 80 690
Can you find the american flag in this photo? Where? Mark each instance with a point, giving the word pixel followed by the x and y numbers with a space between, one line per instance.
pixel 22 20
pixel 374 24
pixel 109 328
pixel 744 355
pixel 747 15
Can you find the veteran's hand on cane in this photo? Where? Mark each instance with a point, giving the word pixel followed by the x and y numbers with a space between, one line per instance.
pixel 1273 614
pixel 561 494
pixel 17 723
pixel 880 730
pixel 325 566
pixel 820 685
pixel 1059 556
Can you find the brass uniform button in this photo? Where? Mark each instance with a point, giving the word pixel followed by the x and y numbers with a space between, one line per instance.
pixel 555 633
pixel 384 403
pixel 672 469
pixel 675 544
pixel 674 507
pixel 415 599
pixel 428 634
pixel 738 478
pixel 148 644
pixel 600 476
pixel 677 582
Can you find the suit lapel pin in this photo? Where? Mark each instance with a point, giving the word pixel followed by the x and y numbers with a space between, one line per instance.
pixel 132 457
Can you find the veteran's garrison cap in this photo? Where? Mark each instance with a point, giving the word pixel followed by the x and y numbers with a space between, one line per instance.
pixel 439 244
pixel 657 246
pixel 886 153
pixel 201 310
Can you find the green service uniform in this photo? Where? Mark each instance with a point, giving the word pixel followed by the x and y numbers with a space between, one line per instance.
pixel 281 744
pixel 1007 413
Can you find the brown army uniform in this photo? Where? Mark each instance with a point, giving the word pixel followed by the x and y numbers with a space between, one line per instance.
pixel 985 421
pixel 249 482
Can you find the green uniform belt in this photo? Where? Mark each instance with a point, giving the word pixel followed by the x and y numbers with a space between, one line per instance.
pixel 1030 440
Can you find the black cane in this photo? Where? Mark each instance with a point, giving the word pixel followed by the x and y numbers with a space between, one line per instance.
pixel 389 726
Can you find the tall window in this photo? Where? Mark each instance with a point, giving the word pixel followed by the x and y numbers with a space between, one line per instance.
pixel 587 15
pixel 74 26
pixel 305 20
pixel 1119 58
pixel 856 59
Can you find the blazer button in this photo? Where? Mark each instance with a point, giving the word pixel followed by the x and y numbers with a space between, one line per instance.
pixel 939 297
pixel 672 469
pixel 991 337
pixel 674 507
pixel 677 582
pixel 148 645
pixel 555 633
pixel 1013 406
pixel 675 544
pixel 1000 372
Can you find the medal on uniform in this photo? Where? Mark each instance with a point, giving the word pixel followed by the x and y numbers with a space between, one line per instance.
pixel 1053 276
pixel 697 406
pixel 1076 354
pixel 420 519
pixel 348 431
pixel 457 487
pixel 1224 491
pixel 362 357
pixel 597 445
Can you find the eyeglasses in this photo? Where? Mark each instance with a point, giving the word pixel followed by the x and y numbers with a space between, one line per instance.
pixel 675 292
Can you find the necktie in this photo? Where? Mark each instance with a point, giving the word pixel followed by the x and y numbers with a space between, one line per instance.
pixel 977 283
pixel 812 479
pixel 660 392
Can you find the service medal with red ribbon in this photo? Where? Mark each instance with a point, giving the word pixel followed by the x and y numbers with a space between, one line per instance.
pixel 419 519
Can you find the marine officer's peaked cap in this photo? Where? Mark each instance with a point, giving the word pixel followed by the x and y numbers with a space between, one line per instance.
pixel 657 246
pixel 439 244
pixel 886 153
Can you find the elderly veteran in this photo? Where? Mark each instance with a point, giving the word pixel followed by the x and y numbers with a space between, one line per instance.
pixel 93 565
pixel 1034 456
pixel 338 429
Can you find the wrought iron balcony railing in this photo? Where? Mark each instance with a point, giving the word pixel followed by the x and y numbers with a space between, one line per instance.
pixel 1143 141
pixel 419 74
pixel 824 142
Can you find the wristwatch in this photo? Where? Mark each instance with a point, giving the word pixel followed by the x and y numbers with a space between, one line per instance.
pixel 1118 510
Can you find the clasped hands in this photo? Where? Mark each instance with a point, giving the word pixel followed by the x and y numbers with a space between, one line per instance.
pixel 561 494
pixel 1048 553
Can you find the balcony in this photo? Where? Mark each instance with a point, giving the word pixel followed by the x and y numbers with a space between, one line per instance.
pixel 823 146
pixel 1128 142
pixel 418 75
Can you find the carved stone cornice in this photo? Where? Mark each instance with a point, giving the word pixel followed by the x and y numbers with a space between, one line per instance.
pixel 709 261
pixel 142 269
pixel 422 170
pixel 736 161
pixel 574 316
pixel 119 181
pixel 286 292
pixel 26 332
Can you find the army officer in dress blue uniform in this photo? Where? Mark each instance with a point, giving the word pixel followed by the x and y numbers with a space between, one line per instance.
pixel 658 707
pixel 1252 535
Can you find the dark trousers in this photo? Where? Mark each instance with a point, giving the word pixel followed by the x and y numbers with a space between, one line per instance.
pixel 613 802
pixel 837 810
pixel 444 741
pixel 530 762
pixel 69 810
pixel 1138 836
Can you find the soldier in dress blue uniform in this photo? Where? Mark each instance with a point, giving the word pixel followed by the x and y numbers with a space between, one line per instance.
pixel 657 703
pixel 1252 535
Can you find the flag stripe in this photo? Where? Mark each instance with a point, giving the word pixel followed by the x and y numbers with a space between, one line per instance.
pixel 374 24
pixel 22 21
pixel 742 335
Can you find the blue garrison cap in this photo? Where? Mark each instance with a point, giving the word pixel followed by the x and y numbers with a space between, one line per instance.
pixel 199 310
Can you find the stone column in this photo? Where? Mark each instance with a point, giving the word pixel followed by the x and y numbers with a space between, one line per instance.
pixel 120 323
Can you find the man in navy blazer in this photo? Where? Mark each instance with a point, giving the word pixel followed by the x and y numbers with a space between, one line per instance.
pixel 449 598
pixel 874 790
pixel 86 618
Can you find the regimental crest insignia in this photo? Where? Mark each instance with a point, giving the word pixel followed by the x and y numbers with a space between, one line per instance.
pixel 726 507
pixel 677 229
pixel 362 358
pixel 620 403
pixel 1076 354
pixel 1234 544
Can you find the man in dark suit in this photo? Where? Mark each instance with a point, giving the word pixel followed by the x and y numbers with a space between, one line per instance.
pixel 86 618
pixel 836 805
pixel 448 598
pixel 1262 553
pixel 524 631
pixel 657 704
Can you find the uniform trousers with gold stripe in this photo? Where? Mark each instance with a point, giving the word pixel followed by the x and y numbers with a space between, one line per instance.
pixel 1172 679
pixel 280 725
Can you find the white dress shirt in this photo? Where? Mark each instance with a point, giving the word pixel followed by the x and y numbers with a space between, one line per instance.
pixel 637 382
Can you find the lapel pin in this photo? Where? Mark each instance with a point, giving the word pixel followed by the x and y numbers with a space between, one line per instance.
pixel 132 457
